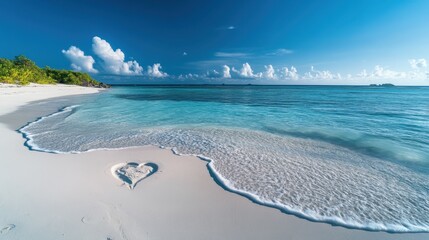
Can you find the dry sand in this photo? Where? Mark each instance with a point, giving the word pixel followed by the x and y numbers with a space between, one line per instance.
pixel 75 196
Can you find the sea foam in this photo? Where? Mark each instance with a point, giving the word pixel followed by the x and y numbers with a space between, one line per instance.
pixel 313 179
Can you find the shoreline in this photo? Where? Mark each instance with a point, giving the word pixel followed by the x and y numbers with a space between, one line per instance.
pixel 180 201
pixel 34 92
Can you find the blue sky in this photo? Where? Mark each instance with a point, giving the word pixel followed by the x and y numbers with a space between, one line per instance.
pixel 272 42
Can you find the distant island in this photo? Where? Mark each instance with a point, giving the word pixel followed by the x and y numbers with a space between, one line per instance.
pixel 23 71
pixel 382 85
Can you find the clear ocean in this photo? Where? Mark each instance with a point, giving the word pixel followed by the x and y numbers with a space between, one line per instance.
pixel 348 155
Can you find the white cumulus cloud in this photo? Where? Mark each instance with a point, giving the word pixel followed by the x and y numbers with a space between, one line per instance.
pixel 79 61
pixel 189 76
pixel 114 60
pixel 155 71
pixel 418 73
pixel 246 71
pixel 291 73
pixel 226 71
pixel 270 73
pixel 321 75
pixel 380 72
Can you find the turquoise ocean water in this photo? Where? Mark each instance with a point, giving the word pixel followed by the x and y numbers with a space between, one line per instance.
pixel 346 155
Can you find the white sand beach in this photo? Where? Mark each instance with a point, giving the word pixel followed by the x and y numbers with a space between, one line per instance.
pixel 76 196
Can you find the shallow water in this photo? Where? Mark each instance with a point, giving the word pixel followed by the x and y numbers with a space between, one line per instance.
pixel 352 156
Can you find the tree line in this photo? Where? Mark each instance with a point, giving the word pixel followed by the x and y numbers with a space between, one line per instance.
pixel 21 70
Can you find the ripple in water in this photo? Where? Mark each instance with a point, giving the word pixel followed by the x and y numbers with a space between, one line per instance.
pixel 312 179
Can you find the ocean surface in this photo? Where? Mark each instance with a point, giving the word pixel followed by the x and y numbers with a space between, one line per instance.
pixel 346 155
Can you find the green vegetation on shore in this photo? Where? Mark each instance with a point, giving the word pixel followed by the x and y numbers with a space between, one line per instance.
pixel 23 71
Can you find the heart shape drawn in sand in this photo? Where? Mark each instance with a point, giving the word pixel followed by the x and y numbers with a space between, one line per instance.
pixel 132 173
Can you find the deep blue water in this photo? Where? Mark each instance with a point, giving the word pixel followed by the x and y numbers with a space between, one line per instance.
pixel 348 155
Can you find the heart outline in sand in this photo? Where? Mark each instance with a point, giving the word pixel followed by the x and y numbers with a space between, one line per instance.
pixel 132 173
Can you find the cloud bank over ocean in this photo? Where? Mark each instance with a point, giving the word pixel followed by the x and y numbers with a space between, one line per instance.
pixel 111 61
